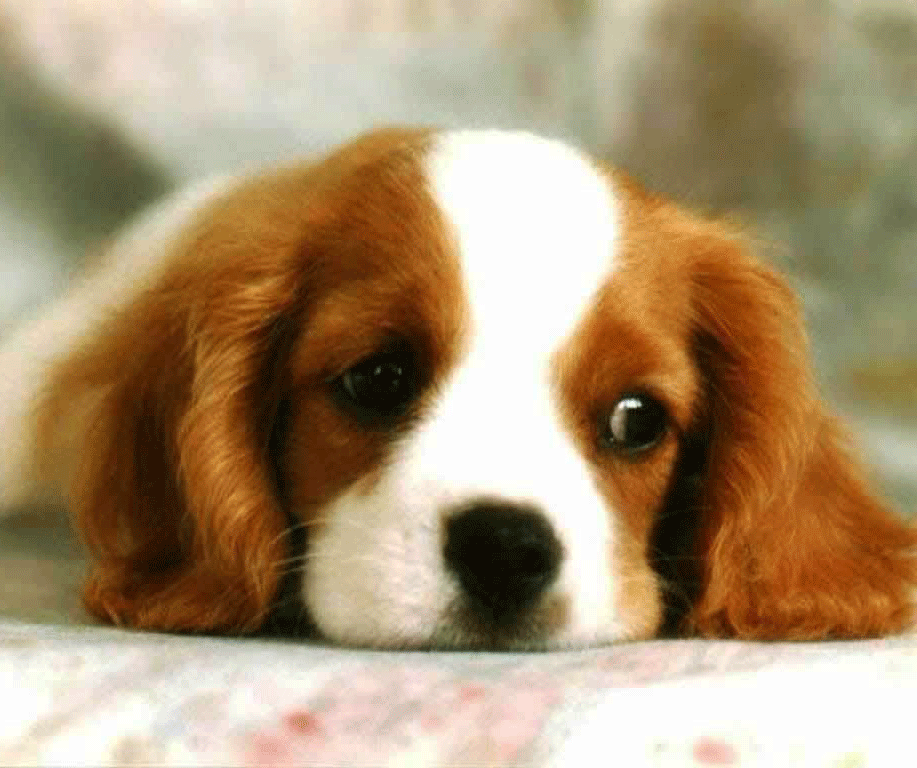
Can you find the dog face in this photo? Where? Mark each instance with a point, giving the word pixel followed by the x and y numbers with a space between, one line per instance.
pixel 511 399
pixel 499 453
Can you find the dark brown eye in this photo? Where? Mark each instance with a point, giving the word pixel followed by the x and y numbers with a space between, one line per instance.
pixel 636 423
pixel 380 387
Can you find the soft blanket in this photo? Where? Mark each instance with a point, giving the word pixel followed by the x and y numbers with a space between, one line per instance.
pixel 93 696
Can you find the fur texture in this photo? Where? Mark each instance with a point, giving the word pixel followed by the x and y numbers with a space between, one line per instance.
pixel 190 412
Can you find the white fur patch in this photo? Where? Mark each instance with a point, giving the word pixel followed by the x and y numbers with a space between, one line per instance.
pixel 535 227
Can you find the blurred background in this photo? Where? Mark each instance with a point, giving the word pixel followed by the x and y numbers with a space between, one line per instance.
pixel 797 117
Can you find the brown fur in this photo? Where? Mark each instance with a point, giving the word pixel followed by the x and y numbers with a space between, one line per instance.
pixel 792 544
pixel 175 492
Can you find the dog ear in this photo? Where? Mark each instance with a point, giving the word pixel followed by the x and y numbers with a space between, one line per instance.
pixel 173 487
pixel 791 542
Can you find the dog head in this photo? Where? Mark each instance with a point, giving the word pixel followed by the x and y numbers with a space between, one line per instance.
pixel 509 398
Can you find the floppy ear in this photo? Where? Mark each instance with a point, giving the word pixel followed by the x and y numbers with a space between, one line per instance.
pixel 791 541
pixel 172 489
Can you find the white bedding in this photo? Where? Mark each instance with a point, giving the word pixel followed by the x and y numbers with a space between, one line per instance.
pixel 104 697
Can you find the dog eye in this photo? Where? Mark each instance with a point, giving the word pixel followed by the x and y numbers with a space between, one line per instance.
pixel 379 387
pixel 636 423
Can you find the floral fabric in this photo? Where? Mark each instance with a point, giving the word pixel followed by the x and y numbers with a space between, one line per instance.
pixel 93 696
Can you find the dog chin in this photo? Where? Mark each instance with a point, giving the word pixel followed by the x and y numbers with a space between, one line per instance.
pixel 464 626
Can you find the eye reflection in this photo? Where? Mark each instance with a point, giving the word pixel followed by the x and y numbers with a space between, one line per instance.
pixel 380 387
pixel 636 423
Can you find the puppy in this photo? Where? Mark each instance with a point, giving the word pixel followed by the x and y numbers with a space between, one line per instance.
pixel 453 389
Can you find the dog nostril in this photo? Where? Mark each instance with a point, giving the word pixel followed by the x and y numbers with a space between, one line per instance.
pixel 503 555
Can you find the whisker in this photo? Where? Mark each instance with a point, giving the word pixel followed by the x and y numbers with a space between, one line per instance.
pixel 297 567
pixel 288 530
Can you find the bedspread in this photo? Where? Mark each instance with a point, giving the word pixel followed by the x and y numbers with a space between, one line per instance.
pixel 94 696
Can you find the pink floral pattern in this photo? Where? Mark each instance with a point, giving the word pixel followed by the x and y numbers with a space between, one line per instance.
pixel 103 697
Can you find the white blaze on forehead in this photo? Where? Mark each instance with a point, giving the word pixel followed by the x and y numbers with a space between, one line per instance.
pixel 534 224
pixel 534 227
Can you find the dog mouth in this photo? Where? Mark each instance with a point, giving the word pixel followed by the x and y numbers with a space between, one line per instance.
pixel 463 626
pixel 490 618
pixel 468 624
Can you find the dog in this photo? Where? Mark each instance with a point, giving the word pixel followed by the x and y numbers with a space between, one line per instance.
pixel 447 389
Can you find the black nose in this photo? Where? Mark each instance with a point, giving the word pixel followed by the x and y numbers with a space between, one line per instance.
pixel 504 556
